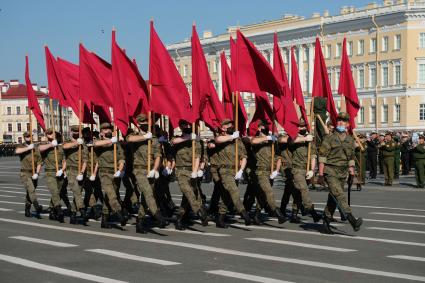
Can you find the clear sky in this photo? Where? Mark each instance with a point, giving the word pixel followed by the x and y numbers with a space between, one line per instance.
pixel 26 26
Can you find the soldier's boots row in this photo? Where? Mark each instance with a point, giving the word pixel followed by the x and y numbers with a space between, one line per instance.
pixel 38 209
pixel 280 216
pixel 257 219
pixel 220 222
pixel 354 222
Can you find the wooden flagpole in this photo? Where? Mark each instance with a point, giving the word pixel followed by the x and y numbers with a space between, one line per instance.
pixel 91 148
pixel 54 133
pixel 149 130
pixel 31 140
pixel 80 133
pixel 236 128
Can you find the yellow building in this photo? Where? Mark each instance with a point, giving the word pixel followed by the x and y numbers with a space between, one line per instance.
pixel 385 44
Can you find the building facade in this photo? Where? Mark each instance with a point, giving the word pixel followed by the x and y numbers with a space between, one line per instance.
pixel 386 48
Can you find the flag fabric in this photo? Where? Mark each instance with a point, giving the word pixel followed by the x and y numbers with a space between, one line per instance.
pixel 142 83
pixel 348 88
pixel 226 78
pixel 321 86
pixel 169 95
pixel 297 93
pixel 53 80
pixel 32 98
pixel 263 112
pixel 205 103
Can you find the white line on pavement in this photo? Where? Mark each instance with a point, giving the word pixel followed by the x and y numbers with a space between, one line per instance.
pixel 7 196
pixel 381 207
pixel 304 245
pixel 6 209
pixel 46 242
pixel 23 193
pixel 11 202
pixel 227 251
pixel 406 257
pixel 192 232
pixel 391 221
pixel 23 189
pixel 133 257
pixel 57 270
pixel 396 230
pixel 397 214
pixel 244 276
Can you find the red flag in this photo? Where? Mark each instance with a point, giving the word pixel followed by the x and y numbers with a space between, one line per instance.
pixel 227 88
pixel 263 112
pixel 297 92
pixel 32 98
pixel 53 80
pixel 95 79
pixel 321 86
pixel 145 101
pixel 205 102
pixel 169 94
pixel 347 87
pixel 252 71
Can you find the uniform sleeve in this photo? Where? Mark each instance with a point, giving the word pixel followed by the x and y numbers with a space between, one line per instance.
pixel 120 154
pixel 84 154
pixel 242 150
pixel 198 150
pixel 156 148
pixel 324 149
pixel 420 149
pixel 37 157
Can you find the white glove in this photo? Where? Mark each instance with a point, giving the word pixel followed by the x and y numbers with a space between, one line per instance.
pixel 117 174
pixel 114 140
pixel 308 138
pixel 153 174
pixel 271 138
pixel 309 175
pixel 235 135
pixel 59 173
pixel 200 173
pixel 35 176
pixel 194 175
pixel 193 136
pixel 148 135
pixel 80 177
pixel 54 143
pixel 274 175
pixel 30 146
pixel 92 178
pixel 238 175
pixel 80 141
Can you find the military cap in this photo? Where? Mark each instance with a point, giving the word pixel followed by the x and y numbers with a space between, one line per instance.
pixel 142 118
pixel 49 131
pixel 226 122
pixel 27 134
pixel 422 137
pixel 75 128
pixel 388 133
pixel 106 125
pixel 343 116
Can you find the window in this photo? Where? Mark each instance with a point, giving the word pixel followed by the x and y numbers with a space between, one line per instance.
pixel 397 113
pixel 422 40
pixel 330 78
pixel 385 76
pixel 306 55
pixel 360 79
pixel 9 127
pixel 338 50
pixel 209 68
pixel 421 75
pixel 185 69
pixel 385 44
pixel 384 114
pixel 28 127
pixel 215 67
pixel 328 51
pixel 372 48
pixel 360 118
pixel 372 114
pixel 27 110
pixel 18 110
pixel 397 74
pixel 422 111
pixel 397 42
pixel 360 50
pixel 9 110
pixel 337 73
pixel 372 79
pixel 306 81
pixel 350 48
pixel 19 127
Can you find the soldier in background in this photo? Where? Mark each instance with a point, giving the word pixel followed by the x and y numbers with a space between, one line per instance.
pixel 380 154
pixel 419 155
pixel 405 148
pixel 372 153
pixel 397 150
pixel 361 158
pixel 386 149
pixel 28 179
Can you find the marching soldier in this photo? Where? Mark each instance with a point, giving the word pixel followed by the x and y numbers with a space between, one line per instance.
pixel 75 177
pixel 361 158
pixel 387 148
pixel 54 178
pixel 262 150
pixel 146 179
pixel 109 178
pixel 187 174
pixel 397 150
pixel 28 179
pixel 419 155
pixel 406 146
pixel 372 153
pixel 336 159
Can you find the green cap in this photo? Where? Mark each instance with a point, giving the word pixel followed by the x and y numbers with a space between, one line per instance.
pixel 343 116
pixel 226 122
pixel 142 118
pixel 106 125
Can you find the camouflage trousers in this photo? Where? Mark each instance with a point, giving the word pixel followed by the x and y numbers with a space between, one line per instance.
pixel 336 188
pixel 77 190
pixel 290 190
pixel 191 195
pixel 110 186
pixel 263 179
pixel 388 164
pixel 28 183
pixel 229 192
pixel 146 188
pixel 54 184
pixel 301 185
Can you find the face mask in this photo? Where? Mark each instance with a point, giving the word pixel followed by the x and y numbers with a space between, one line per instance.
pixel 230 131
pixel 340 129
pixel 27 142
pixel 108 135
pixel 303 132
pixel 265 131
pixel 187 131
pixel 144 127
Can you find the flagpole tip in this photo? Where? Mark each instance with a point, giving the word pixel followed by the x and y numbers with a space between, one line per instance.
pixel 193 23
pixel 113 28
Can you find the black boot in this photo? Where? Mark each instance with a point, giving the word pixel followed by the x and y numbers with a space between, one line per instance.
pixel 160 220
pixel 294 217
pixel 179 222
pixel 355 223
pixel 313 213
pixel 73 218
pixel 246 217
pixel 304 211
pixel 326 229
pixel 203 215
pixel 257 218
pixel 280 216
pixel 141 226
pixel 52 214
pixel 59 214
pixel 104 223
pixel 38 208
pixel 27 210
pixel 122 217
pixel 84 215
pixel 220 223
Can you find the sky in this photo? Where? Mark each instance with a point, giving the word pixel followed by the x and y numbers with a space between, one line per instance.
pixel 27 26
